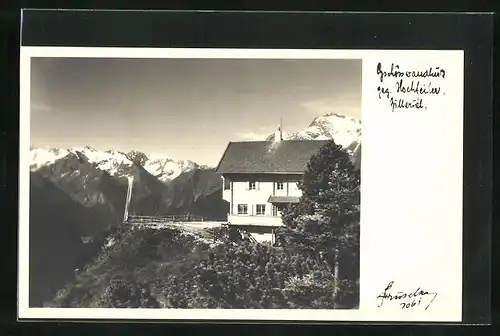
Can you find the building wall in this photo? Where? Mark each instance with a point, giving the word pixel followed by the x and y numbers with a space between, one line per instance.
pixel 265 186
pixel 292 177
pixel 254 221
pixel 226 193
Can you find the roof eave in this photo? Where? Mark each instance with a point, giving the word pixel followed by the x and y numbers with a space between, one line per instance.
pixel 222 158
pixel 257 172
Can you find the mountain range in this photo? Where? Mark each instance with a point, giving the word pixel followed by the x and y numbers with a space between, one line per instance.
pixel 78 195
pixel 116 163
pixel 98 180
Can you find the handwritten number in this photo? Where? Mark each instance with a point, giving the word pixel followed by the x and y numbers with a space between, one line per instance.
pixel 415 297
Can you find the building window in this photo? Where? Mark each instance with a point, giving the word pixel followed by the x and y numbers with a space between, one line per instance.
pixel 227 184
pixel 275 210
pixel 242 209
pixel 252 185
pixel 279 186
pixel 261 209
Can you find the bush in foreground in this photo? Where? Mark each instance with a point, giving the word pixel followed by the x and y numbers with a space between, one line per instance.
pixel 253 276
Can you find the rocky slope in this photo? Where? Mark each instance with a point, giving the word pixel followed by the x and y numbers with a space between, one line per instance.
pixel 196 192
pixel 59 228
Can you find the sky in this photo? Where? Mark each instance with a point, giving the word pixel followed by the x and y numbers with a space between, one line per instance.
pixel 183 108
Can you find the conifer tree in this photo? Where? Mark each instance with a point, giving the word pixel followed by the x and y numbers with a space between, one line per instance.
pixel 326 219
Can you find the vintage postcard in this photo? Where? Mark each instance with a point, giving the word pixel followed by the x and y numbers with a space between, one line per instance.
pixel 241 184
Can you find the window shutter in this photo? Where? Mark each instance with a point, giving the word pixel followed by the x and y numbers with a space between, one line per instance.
pixel 257 185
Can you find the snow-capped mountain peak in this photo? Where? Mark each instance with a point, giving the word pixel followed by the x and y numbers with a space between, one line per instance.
pixel 346 131
pixel 41 157
pixel 116 163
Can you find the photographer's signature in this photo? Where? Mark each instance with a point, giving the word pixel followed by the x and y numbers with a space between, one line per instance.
pixel 407 299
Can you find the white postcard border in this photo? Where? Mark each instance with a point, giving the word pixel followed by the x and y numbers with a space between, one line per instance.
pixel 409 261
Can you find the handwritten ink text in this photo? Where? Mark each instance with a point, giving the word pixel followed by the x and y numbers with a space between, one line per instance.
pixel 409 89
pixel 407 299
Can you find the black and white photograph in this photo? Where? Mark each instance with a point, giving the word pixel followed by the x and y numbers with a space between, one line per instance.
pixel 195 183
pixel 292 168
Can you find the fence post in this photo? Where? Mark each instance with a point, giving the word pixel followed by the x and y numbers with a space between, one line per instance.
pixel 336 278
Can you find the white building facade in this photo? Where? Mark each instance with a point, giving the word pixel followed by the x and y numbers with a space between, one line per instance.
pixel 260 178
pixel 259 199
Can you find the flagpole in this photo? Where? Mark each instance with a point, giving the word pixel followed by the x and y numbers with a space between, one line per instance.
pixel 281 128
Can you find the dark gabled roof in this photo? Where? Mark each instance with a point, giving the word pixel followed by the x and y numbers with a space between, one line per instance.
pixel 288 156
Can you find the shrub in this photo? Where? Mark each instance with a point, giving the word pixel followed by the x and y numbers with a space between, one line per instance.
pixel 125 292
pixel 252 276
